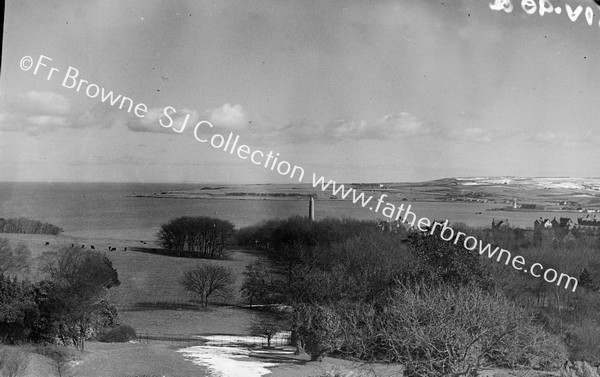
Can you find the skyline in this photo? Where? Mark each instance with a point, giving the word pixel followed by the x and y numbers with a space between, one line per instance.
pixel 390 91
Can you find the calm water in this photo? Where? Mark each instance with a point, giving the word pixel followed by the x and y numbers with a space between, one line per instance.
pixel 108 210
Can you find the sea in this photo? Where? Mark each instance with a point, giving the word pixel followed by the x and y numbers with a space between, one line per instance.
pixel 116 211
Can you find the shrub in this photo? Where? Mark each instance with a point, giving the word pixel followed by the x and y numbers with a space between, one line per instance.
pixel 434 331
pixel 319 326
pixel 119 334
pixel 442 330
pixel 584 341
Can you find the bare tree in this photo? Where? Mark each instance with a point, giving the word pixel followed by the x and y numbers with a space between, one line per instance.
pixel 208 280
pixel 14 261
pixel 60 359
pixel 22 259
pixel 268 327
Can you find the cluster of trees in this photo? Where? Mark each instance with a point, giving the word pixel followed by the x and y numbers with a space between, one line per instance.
pixel 435 307
pixel 572 315
pixel 200 237
pixel 23 225
pixel 273 235
pixel 68 305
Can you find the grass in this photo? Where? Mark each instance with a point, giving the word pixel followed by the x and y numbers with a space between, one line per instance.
pixel 155 278
pixel 135 359
pixel 214 320
pixel 144 277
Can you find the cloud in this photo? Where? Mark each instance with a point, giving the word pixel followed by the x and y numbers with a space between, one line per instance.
pixel 558 138
pixel 228 116
pixel 402 124
pixel 100 116
pixel 234 118
pixel 390 126
pixel 155 118
pixel 472 134
pixel 35 102
pixel 35 113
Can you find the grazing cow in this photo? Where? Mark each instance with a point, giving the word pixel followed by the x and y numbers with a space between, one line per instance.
pixel 110 247
pixel 113 249
pixel 93 248
pixel 125 249
pixel 47 243
pixel 83 246
pixel 72 245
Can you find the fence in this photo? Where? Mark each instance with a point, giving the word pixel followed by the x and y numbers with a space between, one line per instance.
pixel 280 339
pixel 169 337
pixel 178 304
pixel 194 305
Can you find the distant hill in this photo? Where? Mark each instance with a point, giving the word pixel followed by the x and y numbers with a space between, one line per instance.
pixel 558 193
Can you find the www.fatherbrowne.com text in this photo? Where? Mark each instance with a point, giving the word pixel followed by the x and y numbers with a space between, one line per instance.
pixel 272 161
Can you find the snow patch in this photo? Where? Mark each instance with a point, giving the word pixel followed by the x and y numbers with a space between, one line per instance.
pixel 227 361
pixel 224 357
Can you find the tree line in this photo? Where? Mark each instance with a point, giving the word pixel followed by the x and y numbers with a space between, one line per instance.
pixel 414 299
pixel 24 225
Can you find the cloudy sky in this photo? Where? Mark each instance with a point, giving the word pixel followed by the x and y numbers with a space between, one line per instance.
pixel 358 91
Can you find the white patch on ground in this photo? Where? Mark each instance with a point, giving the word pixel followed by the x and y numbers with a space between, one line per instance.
pixel 227 356
pixel 556 183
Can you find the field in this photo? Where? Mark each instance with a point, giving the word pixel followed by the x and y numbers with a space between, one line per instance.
pixel 152 278
pixel 148 278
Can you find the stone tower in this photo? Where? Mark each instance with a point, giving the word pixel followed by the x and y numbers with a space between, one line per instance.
pixel 311 209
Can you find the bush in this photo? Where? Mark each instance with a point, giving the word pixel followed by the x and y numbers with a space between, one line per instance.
pixel 584 341
pixel 447 330
pixel 119 334
pixel 320 327
pixel 433 332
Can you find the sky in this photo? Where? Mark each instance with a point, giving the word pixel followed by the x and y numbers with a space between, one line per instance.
pixel 356 91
